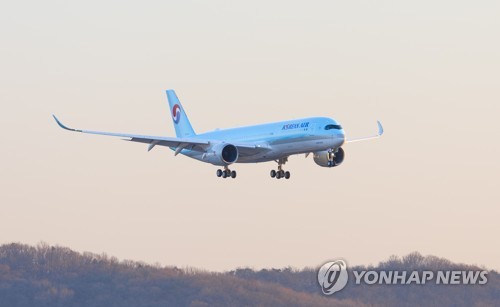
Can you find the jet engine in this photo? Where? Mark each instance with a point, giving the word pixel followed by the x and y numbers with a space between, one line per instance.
pixel 222 154
pixel 329 158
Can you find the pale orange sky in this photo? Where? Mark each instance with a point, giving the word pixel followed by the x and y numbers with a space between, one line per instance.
pixel 429 70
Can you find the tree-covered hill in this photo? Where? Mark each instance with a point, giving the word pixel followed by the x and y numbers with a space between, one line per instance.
pixel 414 294
pixel 57 276
pixel 45 275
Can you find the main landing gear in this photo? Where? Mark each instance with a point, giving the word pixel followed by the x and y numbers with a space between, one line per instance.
pixel 226 173
pixel 280 173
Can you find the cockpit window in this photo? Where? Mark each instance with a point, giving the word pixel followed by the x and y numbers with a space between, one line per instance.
pixel 330 127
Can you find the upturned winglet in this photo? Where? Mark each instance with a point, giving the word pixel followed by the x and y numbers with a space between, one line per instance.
pixel 380 128
pixel 63 126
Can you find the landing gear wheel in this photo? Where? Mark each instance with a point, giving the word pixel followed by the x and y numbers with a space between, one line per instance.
pixel 233 174
pixel 280 173
pixel 224 174
pixel 219 172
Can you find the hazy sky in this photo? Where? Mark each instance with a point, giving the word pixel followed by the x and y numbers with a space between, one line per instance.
pixel 429 70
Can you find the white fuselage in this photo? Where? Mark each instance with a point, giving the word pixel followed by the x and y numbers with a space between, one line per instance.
pixel 281 139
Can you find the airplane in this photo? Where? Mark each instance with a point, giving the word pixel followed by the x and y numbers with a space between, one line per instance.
pixel 321 136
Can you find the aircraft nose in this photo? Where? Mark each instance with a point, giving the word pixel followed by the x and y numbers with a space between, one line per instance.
pixel 339 138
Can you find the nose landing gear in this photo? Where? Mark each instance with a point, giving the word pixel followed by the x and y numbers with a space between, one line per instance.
pixel 331 158
pixel 226 173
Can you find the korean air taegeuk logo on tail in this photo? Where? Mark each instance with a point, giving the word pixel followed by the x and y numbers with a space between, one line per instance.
pixel 176 113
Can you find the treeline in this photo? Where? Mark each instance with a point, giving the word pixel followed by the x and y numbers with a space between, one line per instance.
pixel 431 294
pixel 57 276
pixel 45 275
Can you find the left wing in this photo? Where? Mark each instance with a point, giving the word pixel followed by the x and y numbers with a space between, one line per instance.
pixel 379 134
pixel 178 143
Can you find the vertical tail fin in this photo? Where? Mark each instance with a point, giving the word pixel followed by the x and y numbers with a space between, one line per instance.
pixel 181 122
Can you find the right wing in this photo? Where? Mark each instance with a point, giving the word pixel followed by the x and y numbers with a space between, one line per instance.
pixel 251 149
pixel 379 134
pixel 179 143
pixel 245 149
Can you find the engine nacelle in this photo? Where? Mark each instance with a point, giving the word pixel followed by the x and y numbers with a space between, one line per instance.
pixel 222 154
pixel 328 158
